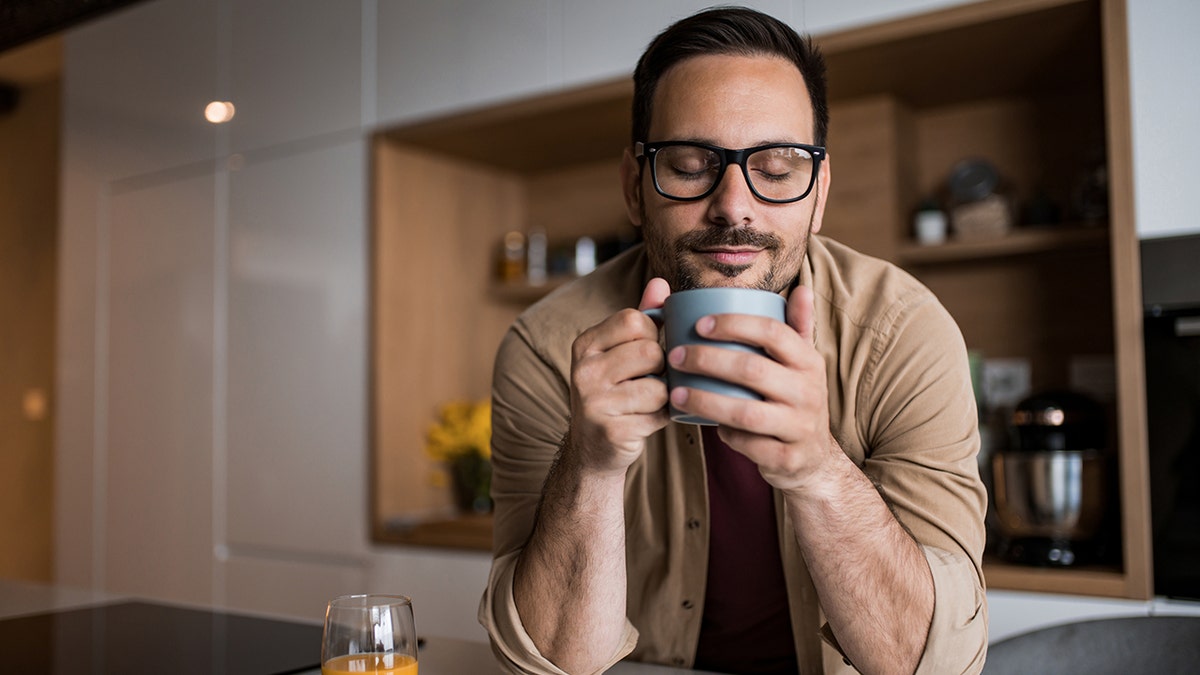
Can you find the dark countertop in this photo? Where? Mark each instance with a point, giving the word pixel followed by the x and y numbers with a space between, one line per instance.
pixel 52 629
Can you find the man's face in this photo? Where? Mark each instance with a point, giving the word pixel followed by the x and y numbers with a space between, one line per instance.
pixel 730 238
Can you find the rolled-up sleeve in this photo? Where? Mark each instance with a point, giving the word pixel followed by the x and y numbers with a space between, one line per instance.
pixel 513 647
pixel 529 419
pixel 921 426
pixel 957 641
pixel 925 464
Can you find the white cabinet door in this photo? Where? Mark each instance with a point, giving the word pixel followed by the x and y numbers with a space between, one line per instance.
pixel 156 358
pixel 438 56
pixel 445 587
pixel 603 40
pixel 1164 69
pixel 295 70
pixel 140 79
pixel 288 588
pixel 824 16
pixel 296 441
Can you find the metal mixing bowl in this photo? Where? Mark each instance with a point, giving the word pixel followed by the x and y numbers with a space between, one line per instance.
pixel 1055 494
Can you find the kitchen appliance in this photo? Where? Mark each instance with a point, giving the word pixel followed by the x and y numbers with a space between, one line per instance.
pixel 1049 483
pixel 1171 296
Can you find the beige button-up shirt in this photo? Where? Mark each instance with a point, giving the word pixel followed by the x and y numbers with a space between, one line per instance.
pixel 900 404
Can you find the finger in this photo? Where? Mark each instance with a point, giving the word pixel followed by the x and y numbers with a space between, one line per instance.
pixel 655 294
pixel 801 313
pixel 776 338
pixel 756 417
pixel 641 396
pixel 756 372
pixel 626 325
pixel 632 360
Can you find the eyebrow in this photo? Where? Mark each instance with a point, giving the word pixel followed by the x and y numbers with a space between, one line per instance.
pixel 709 141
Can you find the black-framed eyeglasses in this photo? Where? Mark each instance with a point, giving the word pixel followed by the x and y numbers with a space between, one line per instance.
pixel 779 173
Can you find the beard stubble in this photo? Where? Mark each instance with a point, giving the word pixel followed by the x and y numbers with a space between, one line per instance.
pixel 675 261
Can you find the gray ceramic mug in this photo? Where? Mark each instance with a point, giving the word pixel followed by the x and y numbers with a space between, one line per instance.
pixel 678 318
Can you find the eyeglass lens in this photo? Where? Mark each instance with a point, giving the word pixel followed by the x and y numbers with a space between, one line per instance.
pixel 686 172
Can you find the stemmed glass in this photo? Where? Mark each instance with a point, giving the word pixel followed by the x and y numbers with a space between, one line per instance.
pixel 369 634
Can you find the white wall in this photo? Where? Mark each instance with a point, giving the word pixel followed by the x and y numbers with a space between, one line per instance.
pixel 211 438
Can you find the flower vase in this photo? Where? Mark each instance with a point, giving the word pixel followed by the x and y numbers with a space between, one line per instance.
pixel 471 479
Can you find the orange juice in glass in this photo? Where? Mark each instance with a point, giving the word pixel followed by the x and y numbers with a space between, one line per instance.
pixel 390 664
pixel 369 634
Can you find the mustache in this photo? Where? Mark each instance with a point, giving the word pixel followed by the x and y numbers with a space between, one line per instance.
pixel 718 237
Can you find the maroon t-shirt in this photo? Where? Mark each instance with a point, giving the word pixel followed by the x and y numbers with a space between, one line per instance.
pixel 746 626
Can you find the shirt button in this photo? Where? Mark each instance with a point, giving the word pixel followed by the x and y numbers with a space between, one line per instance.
pixel 693 523
pixel 687 604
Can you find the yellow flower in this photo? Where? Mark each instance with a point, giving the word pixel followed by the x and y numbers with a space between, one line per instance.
pixel 463 428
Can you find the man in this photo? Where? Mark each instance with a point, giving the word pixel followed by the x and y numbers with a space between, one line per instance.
pixel 835 525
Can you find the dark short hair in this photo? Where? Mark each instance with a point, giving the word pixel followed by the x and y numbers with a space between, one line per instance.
pixel 734 31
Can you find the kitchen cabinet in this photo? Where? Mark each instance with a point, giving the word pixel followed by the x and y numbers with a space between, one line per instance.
pixel 604 40
pixel 211 346
pixel 433 56
pixel 126 131
pixel 1164 60
pixel 826 16
pixel 295 296
pixel 157 295
pixel 293 70
pixel 1038 88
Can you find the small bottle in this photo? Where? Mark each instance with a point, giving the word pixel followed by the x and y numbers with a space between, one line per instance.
pixel 512 257
pixel 535 267
pixel 585 255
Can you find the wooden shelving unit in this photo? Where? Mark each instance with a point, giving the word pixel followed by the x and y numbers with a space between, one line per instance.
pixel 1020 242
pixel 1098 581
pixel 525 293
pixel 1038 87
pixel 467 531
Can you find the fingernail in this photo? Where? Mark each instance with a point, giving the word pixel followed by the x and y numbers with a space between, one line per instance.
pixel 705 325
pixel 675 356
pixel 679 396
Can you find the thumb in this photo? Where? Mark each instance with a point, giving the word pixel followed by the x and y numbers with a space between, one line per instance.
pixel 800 312
pixel 655 294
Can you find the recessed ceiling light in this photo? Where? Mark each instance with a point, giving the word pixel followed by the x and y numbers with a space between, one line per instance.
pixel 219 112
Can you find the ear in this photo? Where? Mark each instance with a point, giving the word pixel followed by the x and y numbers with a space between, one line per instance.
pixel 631 186
pixel 824 175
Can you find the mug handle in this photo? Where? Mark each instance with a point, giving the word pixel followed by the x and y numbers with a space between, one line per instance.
pixel 656 314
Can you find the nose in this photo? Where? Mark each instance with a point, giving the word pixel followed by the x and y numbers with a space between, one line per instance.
pixel 732 203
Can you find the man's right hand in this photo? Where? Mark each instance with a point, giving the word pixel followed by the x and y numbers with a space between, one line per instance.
pixel 614 406
pixel 569 585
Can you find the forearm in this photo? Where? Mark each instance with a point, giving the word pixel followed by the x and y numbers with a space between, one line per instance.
pixel 569 584
pixel 872 578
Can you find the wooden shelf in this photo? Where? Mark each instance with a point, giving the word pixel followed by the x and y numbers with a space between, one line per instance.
pixel 525 293
pixel 1021 241
pixel 467 531
pixel 1097 581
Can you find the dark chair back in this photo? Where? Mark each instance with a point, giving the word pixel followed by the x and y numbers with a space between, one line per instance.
pixel 1163 645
